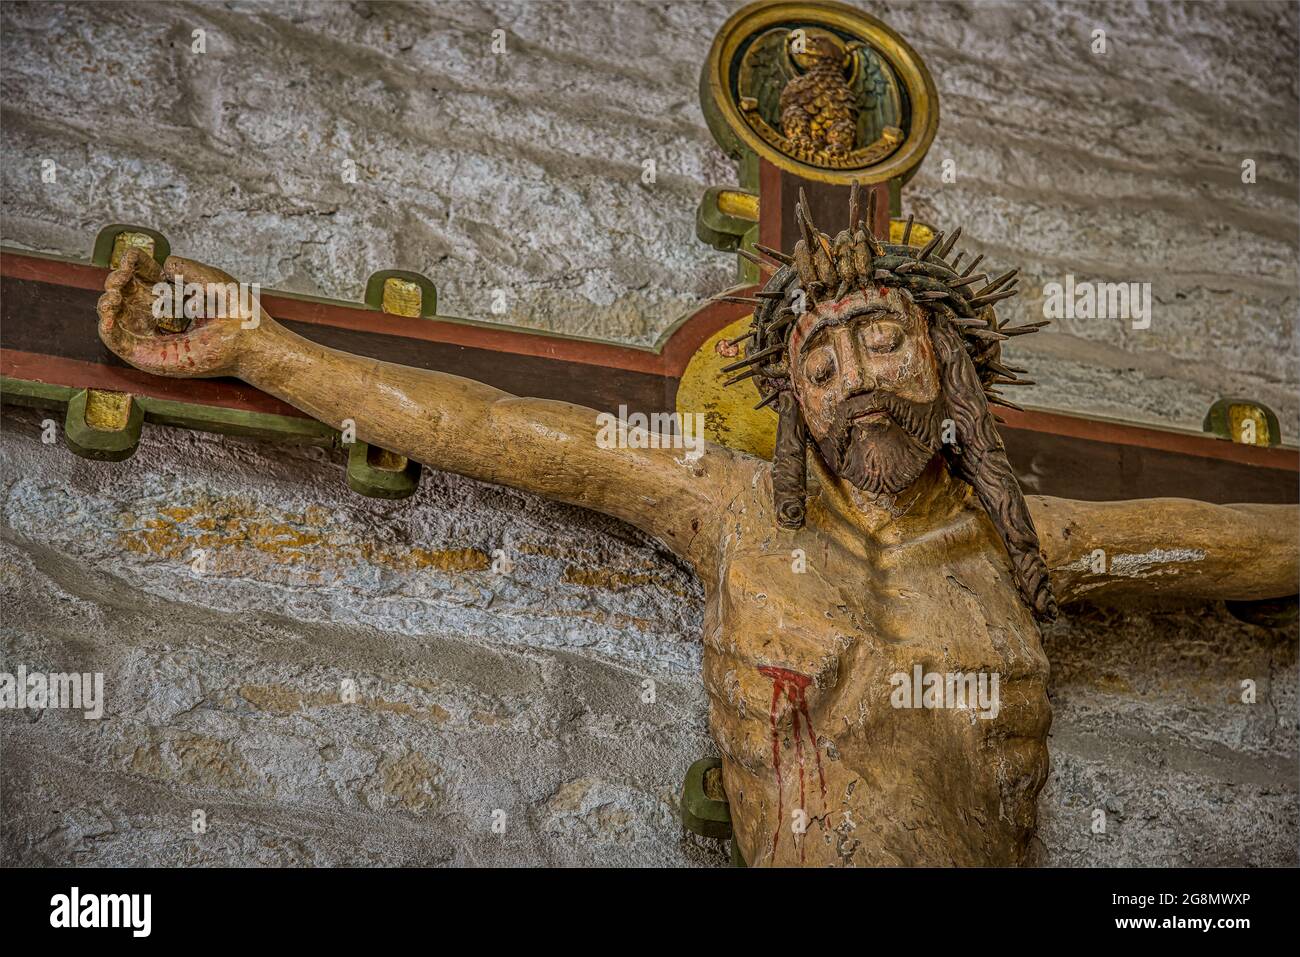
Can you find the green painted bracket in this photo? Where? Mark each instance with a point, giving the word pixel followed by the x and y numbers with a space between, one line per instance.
pixel 896 196
pixel 102 254
pixel 377 473
pixel 185 415
pixel 1218 420
pixel 747 166
pixel 371 471
pixel 253 425
pixel 701 813
pixel 428 291
pixel 723 231
pixel 98 442
pixel 35 395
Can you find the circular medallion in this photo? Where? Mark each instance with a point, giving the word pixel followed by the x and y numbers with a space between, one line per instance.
pixel 820 90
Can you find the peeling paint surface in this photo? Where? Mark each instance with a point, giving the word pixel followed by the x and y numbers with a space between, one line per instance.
pixel 1138 565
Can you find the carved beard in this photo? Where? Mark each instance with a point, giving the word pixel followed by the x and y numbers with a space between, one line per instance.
pixel 888 455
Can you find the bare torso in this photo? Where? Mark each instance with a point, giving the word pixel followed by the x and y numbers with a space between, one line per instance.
pixel 803 632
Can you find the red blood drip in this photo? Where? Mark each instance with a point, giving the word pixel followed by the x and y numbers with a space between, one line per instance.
pixel 794 688
pixel 777 688
pixel 798 750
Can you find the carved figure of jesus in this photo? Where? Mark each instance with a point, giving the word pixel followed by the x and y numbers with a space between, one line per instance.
pixel 888 538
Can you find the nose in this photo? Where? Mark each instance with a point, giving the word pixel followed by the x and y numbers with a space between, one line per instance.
pixel 855 375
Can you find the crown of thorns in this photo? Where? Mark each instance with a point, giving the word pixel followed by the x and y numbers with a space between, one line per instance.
pixel 856 259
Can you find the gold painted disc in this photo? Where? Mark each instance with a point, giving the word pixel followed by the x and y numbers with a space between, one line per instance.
pixel 821 90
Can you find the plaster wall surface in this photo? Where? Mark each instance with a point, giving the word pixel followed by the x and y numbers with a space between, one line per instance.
pixel 479 691
pixel 515 181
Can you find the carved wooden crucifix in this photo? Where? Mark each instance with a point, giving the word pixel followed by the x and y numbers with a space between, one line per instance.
pixel 889 537
pixel 872 656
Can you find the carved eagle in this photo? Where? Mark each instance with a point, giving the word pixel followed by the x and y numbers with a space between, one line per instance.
pixel 820 99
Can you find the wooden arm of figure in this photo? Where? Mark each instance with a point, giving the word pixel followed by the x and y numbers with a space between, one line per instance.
pixel 464 426
pixel 1172 547
pixel 446 422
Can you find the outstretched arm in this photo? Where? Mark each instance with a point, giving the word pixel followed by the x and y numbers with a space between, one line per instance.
pixel 1168 547
pixel 441 420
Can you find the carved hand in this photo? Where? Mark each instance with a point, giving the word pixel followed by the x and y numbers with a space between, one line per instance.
pixel 130 324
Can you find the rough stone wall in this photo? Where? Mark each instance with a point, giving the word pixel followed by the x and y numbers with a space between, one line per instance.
pixel 476 691
pixel 522 172
pixel 479 691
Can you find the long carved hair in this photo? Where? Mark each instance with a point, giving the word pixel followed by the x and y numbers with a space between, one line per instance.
pixel 967 341
pixel 978 457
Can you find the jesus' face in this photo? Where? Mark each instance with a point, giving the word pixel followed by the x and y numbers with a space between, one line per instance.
pixel 864 372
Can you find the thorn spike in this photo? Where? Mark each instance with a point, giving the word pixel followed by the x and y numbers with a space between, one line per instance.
pixel 997 400
pixel 979 301
pixel 999 282
pixel 1022 330
pixel 757 357
pixel 935 240
pixel 774 254
pixel 760 263
pixel 740 378
pixel 942 252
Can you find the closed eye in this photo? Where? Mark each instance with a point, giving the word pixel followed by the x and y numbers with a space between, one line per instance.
pixel 882 337
pixel 821 366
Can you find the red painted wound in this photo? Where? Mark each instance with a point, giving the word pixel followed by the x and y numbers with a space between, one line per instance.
pixel 793 687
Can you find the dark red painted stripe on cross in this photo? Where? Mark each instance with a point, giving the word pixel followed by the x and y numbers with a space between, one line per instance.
pixel 669 360
pixel 47 311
